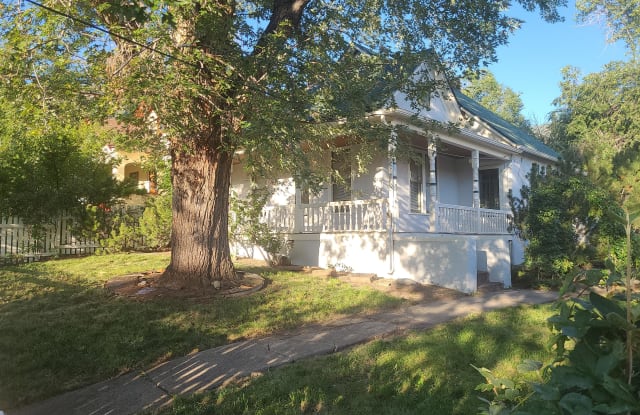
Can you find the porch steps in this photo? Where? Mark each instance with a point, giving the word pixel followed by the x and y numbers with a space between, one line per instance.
pixel 485 285
pixel 483 278
pixel 490 287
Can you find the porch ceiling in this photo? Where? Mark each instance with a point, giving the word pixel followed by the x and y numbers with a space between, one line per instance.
pixel 453 151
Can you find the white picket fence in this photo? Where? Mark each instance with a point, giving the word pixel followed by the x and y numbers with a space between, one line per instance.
pixel 20 243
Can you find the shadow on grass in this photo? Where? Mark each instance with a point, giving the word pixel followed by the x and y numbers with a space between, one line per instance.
pixel 58 333
pixel 423 373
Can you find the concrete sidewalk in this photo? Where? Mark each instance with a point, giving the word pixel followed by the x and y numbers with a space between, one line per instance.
pixel 206 370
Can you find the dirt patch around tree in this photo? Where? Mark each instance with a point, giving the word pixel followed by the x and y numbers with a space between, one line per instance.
pixel 144 286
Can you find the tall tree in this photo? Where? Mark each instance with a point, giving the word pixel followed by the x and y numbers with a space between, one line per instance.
pixel 598 125
pixel 621 17
pixel 263 76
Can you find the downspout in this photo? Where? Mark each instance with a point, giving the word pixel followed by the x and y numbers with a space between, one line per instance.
pixel 393 176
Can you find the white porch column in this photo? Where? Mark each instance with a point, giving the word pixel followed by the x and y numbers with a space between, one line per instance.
pixel 433 186
pixel 392 208
pixel 475 164
pixel 393 179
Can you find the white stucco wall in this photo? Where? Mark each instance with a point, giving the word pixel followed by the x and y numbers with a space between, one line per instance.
pixel 374 183
pixel 455 181
pixel 498 257
pixel 445 260
pixel 365 252
pixel 240 183
pixel 516 177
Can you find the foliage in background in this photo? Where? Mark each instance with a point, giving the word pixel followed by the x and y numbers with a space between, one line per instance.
pixel 563 218
pixel 597 125
pixel 51 139
pixel 126 227
pixel 45 172
pixel 155 223
pixel 504 101
pixel 621 19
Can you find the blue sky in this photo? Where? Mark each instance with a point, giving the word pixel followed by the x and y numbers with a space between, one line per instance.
pixel 531 62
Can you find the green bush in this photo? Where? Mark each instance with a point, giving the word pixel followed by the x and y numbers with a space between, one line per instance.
pixel 245 224
pixel 122 231
pixel 563 218
pixel 155 223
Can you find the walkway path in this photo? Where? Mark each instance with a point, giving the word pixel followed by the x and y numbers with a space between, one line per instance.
pixel 206 370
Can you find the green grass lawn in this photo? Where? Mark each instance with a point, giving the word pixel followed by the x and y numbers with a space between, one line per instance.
pixel 60 329
pixel 426 372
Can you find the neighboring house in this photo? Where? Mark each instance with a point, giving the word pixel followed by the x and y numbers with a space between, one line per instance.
pixel 131 167
pixel 443 221
pixel 130 164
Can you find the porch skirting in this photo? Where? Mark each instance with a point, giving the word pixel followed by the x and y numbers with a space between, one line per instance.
pixel 451 261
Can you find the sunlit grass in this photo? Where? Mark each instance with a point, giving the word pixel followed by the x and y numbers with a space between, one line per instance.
pixel 60 329
pixel 423 373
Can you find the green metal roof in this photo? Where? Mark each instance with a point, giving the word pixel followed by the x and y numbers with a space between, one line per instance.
pixel 512 133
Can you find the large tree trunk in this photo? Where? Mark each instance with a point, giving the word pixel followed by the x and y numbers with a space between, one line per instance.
pixel 200 251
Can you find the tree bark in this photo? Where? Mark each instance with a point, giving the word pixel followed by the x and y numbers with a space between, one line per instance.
pixel 200 253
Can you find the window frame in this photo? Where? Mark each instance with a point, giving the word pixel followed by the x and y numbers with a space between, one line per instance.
pixel 422 196
pixel 346 189
pixel 482 175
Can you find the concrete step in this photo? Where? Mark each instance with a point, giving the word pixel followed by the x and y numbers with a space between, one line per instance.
pixel 489 287
pixel 483 278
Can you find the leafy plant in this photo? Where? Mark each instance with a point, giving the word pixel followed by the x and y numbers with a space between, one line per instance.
pixel 508 394
pixel 246 225
pixel 155 223
pixel 121 230
pixel 563 218
pixel 595 338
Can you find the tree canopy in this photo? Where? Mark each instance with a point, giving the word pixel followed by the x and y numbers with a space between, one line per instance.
pixel 598 124
pixel 264 76
pixel 620 17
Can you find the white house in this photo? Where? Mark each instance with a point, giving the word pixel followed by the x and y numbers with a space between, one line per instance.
pixel 442 221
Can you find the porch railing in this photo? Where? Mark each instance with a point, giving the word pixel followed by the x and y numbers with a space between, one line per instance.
pixel 350 216
pixel 463 219
pixel 279 218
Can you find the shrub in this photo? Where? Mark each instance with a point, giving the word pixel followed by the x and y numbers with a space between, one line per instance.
pixel 245 225
pixel 155 223
pixel 562 217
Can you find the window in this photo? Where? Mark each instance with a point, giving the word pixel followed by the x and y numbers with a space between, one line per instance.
pixel 341 167
pixel 416 185
pixel 489 189
pixel 304 195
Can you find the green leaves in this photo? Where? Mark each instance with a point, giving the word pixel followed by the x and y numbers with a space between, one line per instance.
pixel 504 101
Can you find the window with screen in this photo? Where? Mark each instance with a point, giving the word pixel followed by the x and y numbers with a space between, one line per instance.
pixel 416 186
pixel 341 167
